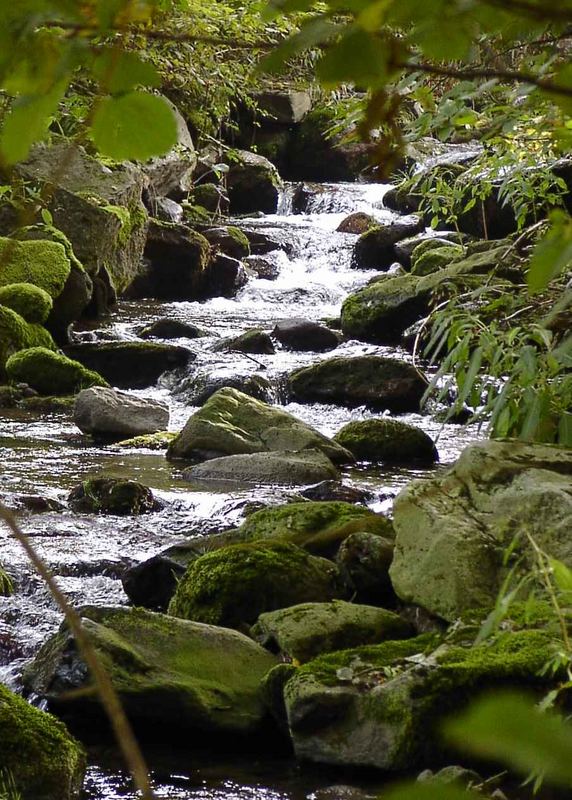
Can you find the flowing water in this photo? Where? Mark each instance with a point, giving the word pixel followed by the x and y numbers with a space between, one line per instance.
pixel 45 454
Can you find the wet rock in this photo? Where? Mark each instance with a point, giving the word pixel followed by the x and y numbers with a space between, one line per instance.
pixel 374 381
pixel 456 774
pixel 261 243
pixel 302 334
pixel 152 583
pixel 364 560
pixel 166 210
pixel 404 249
pixel 358 222
pixel 342 708
pixel 176 259
pixel 382 311
pixel 99 209
pixel 375 248
pixel 452 530
pixel 167 328
pixel 318 527
pixel 335 490
pixel 37 504
pixel 9 396
pixel 150 441
pixel 234 585
pixel 48 405
pixel 276 468
pixel 224 277
pixel 253 183
pixel 130 365
pixel 168 672
pixel 254 341
pixel 231 422
pixel 387 440
pixel 305 631
pixel 172 174
pixel 229 240
pixel 37 752
pixel 197 389
pixel 104 412
pixel 112 496
pixel 50 373
pixel 30 302
pixel 263 268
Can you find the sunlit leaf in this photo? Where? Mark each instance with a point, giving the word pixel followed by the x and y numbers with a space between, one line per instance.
pixel 119 71
pixel 28 122
pixel 552 254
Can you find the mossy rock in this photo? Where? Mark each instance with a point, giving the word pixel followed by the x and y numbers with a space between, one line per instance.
pixel 254 341
pixel 341 706
pixel 36 750
pixel 234 585
pixel 211 197
pixel 375 248
pixel 230 240
pixel 16 334
pixel 435 259
pixel 52 404
pixel 50 373
pixel 40 262
pixel 305 631
pixel 387 440
pixel 6 584
pixel 318 527
pixel 149 441
pixel 170 674
pixel 30 302
pixel 231 422
pixel 112 496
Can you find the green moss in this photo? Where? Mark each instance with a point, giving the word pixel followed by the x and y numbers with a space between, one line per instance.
pixel 234 585
pixel 50 373
pixel 387 440
pixel 435 259
pixel 6 585
pixel 149 441
pixel 16 334
pixel 197 215
pixel 240 238
pixel 207 196
pixel 316 526
pixel 112 496
pixel 40 262
pixel 50 233
pixel 27 300
pixel 130 219
pixel 36 749
pixel 325 669
pixel 50 404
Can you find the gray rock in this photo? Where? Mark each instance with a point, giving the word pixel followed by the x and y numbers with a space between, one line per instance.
pixel 303 334
pixel 172 174
pixel 253 183
pixel 231 422
pixel 452 531
pixel 284 107
pixel 254 341
pixel 276 468
pixel 105 412
pixel 167 328
pixel 167 210
pixel 375 249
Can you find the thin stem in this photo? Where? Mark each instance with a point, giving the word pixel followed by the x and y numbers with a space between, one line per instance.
pixel 108 696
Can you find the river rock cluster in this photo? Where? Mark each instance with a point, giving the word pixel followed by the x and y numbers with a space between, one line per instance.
pixel 342 633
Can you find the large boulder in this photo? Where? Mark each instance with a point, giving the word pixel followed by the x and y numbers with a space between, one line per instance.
pixel 99 209
pixel 170 674
pixel 387 440
pixel 303 334
pixel 382 311
pixel 452 531
pixel 172 174
pixel 130 365
pixel 176 259
pixel 42 263
pixel 50 373
pixel 382 706
pixel 232 423
pixel 112 496
pixel 253 183
pixel 103 412
pixel 16 334
pixel 234 585
pixel 305 631
pixel 285 107
pixel 276 468
pixel 375 249
pixel 37 752
pixel 375 381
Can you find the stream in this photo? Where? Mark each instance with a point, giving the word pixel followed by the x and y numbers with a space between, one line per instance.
pixel 44 454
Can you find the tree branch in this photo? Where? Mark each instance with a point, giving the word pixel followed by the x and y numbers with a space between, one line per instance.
pixel 486 73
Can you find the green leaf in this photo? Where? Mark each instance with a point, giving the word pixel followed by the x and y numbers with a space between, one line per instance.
pixel 507 727
pixel 552 254
pixel 562 575
pixel 28 122
pixel 565 430
pixel 119 71
pixel 359 57
pixel 317 31
pixel 134 126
